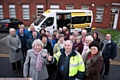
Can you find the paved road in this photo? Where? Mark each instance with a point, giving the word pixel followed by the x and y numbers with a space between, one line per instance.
pixel 5 66
pixel 6 69
pixel 3 47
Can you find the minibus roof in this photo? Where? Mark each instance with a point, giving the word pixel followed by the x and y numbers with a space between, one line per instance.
pixel 47 12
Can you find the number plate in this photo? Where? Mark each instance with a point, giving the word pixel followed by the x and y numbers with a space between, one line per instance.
pixel 18 25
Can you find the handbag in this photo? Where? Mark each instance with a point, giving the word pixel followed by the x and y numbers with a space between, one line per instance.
pixel 29 66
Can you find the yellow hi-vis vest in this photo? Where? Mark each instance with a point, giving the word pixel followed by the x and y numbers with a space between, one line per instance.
pixel 75 64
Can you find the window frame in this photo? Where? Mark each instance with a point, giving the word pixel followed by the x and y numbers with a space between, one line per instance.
pixel 99 13
pixel 54 7
pixel 39 12
pixel 12 11
pixel 26 12
pixel 69 7
pixel 1 12
pixel 85 7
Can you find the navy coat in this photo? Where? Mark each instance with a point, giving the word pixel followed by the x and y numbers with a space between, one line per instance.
pixel 110 50
pixel 30 41
pixel 30 34
pixel 23 40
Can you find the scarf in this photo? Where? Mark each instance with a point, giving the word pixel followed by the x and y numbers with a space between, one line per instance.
pixel 13 35
pixel 85 50
pixel 39 60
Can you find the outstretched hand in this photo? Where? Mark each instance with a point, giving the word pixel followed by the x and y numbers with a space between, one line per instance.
pixel 45 55
pixel 49 58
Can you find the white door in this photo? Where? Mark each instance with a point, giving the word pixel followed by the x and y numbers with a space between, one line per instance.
pixel 114 17
pixel 48 24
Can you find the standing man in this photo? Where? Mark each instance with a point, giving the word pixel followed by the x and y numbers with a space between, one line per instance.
pixel 25 30
pixel 32 29
pixel 109 52
pixel 70 65
pixel 31 39
pixel 23 39
pixel 14 46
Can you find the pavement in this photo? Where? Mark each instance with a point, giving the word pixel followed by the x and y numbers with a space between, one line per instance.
pixel 6 67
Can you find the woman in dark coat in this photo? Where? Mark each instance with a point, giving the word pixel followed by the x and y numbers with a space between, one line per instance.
pixel 78 45
pixel 93 62
pixel 66 34
pixel 95 37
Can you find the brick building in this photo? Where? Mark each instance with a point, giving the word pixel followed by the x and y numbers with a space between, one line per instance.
pixel 106 13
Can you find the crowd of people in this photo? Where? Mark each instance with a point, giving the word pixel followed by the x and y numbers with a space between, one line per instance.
pixel 60 56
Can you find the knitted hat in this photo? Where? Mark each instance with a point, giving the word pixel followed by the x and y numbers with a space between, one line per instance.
pixel 95 44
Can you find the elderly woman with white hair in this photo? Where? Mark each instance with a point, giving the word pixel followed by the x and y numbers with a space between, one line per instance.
pixel 14 46
pixel 86 49
pixel 36 60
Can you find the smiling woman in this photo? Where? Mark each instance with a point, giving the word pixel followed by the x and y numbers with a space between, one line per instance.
pixel 36 61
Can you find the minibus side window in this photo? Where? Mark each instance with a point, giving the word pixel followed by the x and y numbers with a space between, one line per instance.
pixel 38 21
pixel 48 22
pixel 78 20
pixel 88 19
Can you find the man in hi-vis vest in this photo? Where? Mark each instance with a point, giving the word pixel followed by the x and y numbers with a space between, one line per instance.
pixel 70 65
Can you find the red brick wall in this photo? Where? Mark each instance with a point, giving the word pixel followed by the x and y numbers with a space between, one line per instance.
pixel 62 4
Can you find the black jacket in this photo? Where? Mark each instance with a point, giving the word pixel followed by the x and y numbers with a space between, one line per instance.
pixel 49 48
pixel 110 50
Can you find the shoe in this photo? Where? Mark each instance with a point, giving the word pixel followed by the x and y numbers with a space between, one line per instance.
pixel 21 69
pixel 104 77
pixel 15 71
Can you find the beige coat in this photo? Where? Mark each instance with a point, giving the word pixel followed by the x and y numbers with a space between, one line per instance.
pixel 56 48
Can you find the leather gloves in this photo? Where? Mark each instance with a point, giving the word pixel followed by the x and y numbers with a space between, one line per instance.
pixel 18 49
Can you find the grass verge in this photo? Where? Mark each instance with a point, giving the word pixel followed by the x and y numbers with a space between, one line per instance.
pixel 114 33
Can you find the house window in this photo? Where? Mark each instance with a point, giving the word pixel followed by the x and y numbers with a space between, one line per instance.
pixel 54 7
pixel 12 11
pixel 39 10
pixel 26 15
pixel 69 7
pixel 1 12
pixel 85 7
pixel 99 13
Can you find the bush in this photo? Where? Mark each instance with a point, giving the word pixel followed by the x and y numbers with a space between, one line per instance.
pixel 114 33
